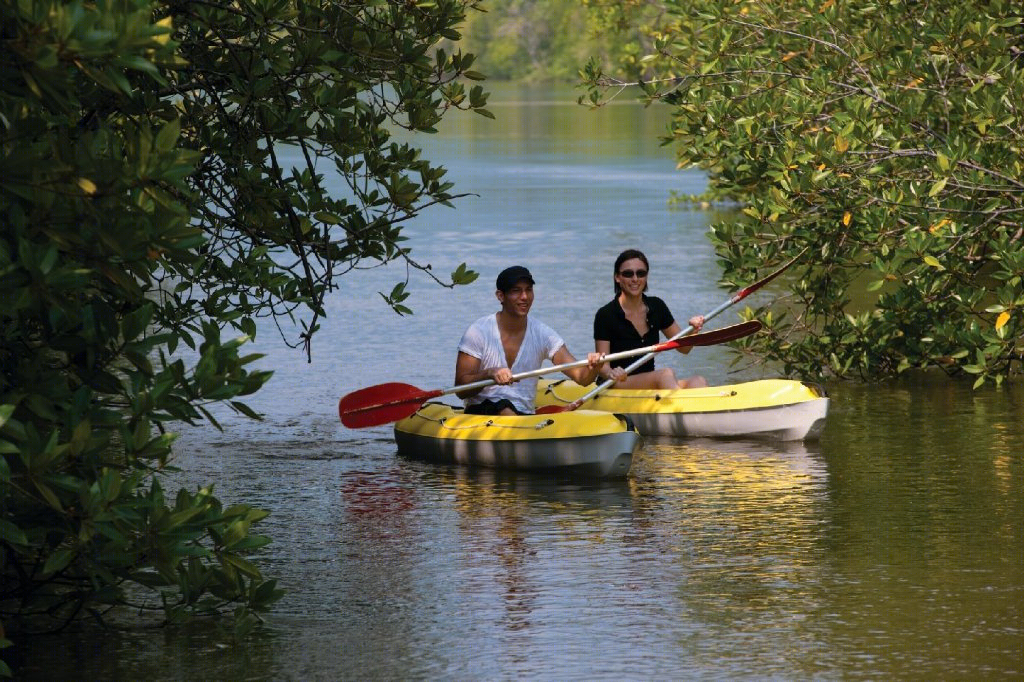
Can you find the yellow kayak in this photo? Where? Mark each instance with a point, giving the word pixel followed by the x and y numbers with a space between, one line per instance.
pixel 773 409
pixel 584 442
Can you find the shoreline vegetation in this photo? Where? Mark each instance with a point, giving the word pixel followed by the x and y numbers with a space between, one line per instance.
pixel 550 41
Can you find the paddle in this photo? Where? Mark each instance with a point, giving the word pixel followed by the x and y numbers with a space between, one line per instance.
pixel 390 402
pixel 736 298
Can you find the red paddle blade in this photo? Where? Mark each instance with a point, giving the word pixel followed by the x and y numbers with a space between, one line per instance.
pixel 723 335
pixel 553 409
pixel 381 404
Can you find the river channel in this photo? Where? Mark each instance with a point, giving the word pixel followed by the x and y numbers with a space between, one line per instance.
pixel 893 548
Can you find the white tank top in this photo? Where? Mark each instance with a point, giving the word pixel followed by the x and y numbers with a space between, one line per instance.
pixel 483 341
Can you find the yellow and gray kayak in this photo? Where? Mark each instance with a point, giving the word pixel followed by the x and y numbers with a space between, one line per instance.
pixel 772 409
pixel 584 442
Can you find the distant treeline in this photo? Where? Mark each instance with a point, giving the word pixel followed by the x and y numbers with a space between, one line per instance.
pixel 547 40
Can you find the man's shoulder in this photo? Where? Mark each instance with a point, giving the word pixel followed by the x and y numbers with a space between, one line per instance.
pixel 477 331
pixel 540 328
pixel 538 325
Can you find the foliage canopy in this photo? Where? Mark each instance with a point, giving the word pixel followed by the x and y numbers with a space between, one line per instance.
pixel 165 179
pixel 888 137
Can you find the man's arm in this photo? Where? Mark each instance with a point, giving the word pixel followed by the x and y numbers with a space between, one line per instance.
pixel 468 371
pixel 581 375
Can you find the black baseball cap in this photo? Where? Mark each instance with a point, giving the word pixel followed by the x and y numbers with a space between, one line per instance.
pixel 510 276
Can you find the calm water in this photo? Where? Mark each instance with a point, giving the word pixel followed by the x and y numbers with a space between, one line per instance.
pixel 894 548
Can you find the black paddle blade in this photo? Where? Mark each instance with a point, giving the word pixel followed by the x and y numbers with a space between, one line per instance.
pixel 381 404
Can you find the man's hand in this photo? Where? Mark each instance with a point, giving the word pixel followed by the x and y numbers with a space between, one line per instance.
pixel 501 375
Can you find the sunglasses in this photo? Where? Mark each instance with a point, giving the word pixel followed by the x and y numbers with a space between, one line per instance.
pixel 629 274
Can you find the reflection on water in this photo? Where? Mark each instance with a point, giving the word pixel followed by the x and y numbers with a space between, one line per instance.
pixel 720 559
pixel 891 549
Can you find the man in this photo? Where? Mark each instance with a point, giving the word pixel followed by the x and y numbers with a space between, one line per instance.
pixel 510 342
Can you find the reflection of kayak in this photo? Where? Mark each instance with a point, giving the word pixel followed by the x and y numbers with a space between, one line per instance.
pixel 776 409
pixel 760 466
pixel 584 442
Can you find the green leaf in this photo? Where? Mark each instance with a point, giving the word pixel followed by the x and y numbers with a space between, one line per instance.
pixel 178 518
pixel 11 534
pixel 242 565
pixel 59 560
pixel 49 496
pixel 462 275
pixel 246 410
pixel 167 138
pixel 5 413
pixel 135 322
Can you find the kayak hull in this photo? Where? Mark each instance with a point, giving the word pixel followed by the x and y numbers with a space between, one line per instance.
pixel 770 409
pixel 585 443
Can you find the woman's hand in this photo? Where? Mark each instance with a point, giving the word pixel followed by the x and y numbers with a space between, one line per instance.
pixel 617 374
pixel 697 321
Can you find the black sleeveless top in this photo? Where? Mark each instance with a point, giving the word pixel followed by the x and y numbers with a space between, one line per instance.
pixel 610 324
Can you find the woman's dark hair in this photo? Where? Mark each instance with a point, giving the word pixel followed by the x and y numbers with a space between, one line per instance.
pixel 628 254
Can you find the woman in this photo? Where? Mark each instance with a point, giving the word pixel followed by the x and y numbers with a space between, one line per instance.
pixel 632 320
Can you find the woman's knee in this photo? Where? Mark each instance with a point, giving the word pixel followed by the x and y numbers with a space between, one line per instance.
pixel 667 378
pixel 693 382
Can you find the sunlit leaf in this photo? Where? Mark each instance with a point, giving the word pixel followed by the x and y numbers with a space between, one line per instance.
pixel 167 24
